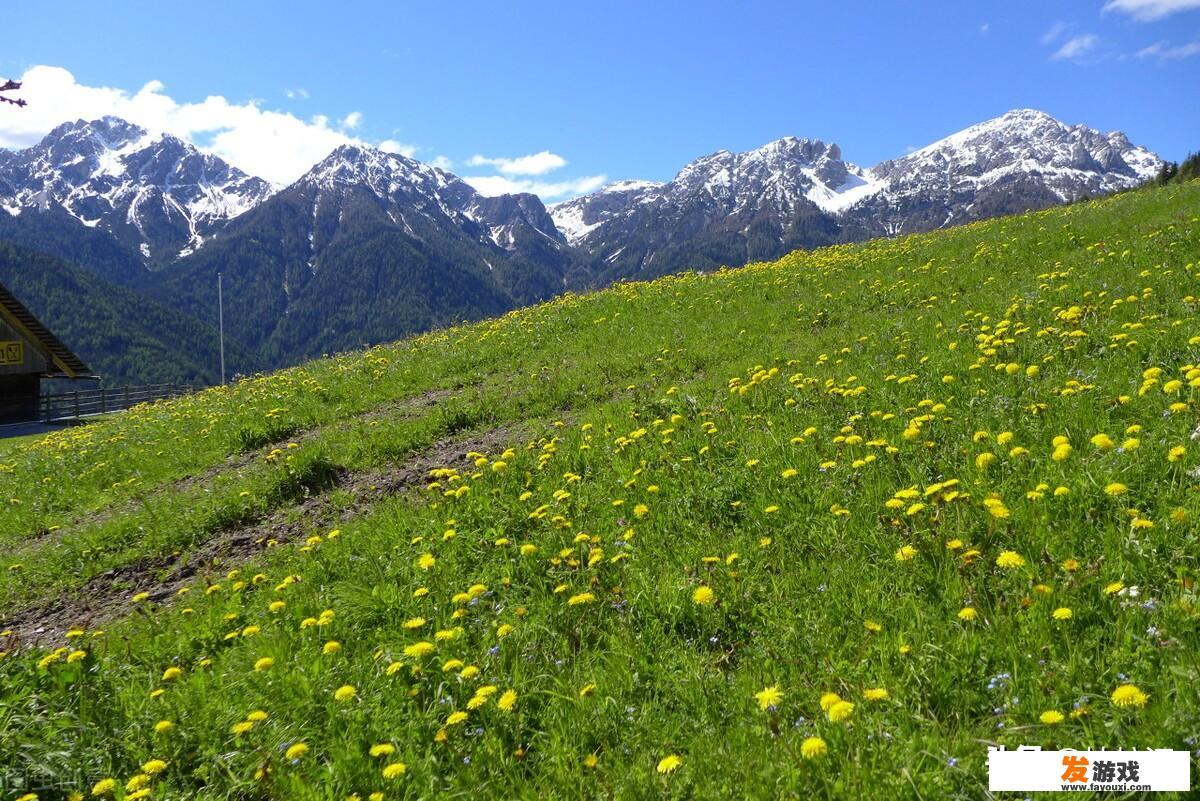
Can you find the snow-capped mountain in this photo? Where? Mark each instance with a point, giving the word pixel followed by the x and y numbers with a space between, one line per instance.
pixel 366 247
pixel 1019 160
pixel 730 208
pixel 153 192
pixel 725 208
pixel 409 190
pixel 369 246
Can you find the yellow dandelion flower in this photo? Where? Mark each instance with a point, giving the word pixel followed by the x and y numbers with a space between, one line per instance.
pixel 813 748
pixel 669 764
pixel 1010 559
pixel 1051 717
pixel 840 711
pixel 296 751
pixel 346 692
pixel 703 595
pixel 394 771
pixel 768 697
pixel 875 694
pixel 1129 695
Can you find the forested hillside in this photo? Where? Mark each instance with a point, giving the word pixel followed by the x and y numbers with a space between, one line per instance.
pixel 123 336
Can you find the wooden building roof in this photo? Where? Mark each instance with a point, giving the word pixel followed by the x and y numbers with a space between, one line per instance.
pixel 22 320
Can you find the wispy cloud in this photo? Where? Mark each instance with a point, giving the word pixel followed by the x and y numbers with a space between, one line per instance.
pixel 1076 48
pixel 1150 10
pixel 985 28
pixel 516 175
pixel 392 146
pixel 1053 33
pixel 533 164
pixel 547 190
pixel 1165 51
pixel 296 94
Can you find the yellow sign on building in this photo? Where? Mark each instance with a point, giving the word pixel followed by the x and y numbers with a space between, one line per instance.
pixel 11 353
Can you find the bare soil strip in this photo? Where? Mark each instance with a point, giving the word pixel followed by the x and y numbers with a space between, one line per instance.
pixel 106 596
pixel 237 462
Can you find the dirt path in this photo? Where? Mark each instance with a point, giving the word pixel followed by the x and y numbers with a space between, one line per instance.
pixel 106 596
pixel 235 462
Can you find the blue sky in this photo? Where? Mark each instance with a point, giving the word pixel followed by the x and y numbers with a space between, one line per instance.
pixel 600 90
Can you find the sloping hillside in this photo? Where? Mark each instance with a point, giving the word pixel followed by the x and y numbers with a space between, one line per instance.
pixel 822 527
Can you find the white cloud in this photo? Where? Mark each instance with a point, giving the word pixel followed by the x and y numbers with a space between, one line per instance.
pixel 1076 47
pixel 278 146
pixel 392 146
pixel 1056 30
pixel 501 185
pixel 275 145
pixel 1164 51
pixel 1148 10
pixel 296 94
pixel 533 164
pixel 985 27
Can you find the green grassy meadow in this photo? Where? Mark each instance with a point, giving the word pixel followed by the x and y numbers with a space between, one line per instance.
pixel 825 527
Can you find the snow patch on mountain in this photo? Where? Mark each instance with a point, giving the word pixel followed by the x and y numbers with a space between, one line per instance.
pixel 1069 160
pixel 113 174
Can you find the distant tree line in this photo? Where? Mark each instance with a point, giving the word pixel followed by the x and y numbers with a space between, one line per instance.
pixel 1172 172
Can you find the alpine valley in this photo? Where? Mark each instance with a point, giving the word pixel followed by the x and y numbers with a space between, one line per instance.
pixel 369 246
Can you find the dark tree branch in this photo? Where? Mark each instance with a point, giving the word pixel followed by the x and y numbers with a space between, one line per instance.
pixel 11 86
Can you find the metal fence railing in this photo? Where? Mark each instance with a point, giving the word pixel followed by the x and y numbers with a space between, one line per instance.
pixel 88 402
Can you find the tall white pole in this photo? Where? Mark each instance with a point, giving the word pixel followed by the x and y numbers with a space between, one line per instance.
pixel 221 325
